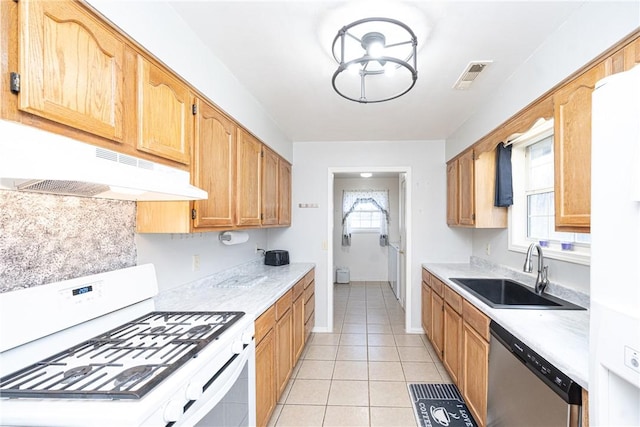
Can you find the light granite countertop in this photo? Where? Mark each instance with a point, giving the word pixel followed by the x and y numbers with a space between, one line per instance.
pixel 223 292
pixel 559 336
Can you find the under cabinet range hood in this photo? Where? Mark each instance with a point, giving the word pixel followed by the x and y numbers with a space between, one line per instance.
pixel 37 161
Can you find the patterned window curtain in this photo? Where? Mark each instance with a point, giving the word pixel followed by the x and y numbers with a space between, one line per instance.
pixel 350 201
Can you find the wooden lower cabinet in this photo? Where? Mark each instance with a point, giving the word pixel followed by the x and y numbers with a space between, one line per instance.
pixel 451 357
pixel 297 311
pixel 475 372
pixel 426 309
pixel 284 342
pixel 281 334
pixel 437 323
pixel 459 333
pixel 265 379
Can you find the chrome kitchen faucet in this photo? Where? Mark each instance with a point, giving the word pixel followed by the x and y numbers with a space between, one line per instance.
pixel 541 281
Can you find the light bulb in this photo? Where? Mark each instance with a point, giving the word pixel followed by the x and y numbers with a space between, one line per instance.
pixel 376 49
pixel 366 174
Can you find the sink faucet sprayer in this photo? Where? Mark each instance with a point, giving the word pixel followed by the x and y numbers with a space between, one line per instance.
pixel 541 281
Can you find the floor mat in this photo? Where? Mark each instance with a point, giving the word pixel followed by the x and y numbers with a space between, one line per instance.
pixel 437 405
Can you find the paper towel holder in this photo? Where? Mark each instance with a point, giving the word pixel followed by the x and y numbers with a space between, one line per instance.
pixel 233 237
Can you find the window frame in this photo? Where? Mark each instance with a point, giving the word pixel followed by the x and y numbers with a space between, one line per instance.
pixel 518 241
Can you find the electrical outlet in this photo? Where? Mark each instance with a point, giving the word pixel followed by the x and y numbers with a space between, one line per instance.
pixel 255 250
pixel 487 249
pixel 195 263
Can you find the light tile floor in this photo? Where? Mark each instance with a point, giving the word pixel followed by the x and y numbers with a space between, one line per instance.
pixel 358 375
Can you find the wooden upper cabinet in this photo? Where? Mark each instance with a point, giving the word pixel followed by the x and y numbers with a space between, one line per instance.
pixel 214 167
pixel 572 151
pixel 284 192
pixel 269 187
pixel 470 192
pixel 249 166
pixel 71 68
pixel 164 113
pixel 466 189
pixel 452 192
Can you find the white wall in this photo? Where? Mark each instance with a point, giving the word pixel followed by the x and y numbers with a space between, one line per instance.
pixel 591 30
pixel 430 240
pixel 157 27
pixel 172 254
pixel 366 259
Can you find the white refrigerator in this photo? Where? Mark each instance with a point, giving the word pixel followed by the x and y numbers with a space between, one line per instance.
pixel 614 359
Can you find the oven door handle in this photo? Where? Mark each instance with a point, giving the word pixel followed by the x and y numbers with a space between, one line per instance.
pixel 221 386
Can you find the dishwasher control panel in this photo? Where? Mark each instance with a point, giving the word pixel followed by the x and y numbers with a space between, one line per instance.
pixel 564 386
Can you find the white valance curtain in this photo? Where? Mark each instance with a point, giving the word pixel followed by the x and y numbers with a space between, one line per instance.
pixel 352 199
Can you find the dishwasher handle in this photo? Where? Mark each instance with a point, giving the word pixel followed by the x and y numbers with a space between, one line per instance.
pixel 561 384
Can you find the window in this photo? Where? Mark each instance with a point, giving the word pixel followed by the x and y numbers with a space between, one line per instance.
pixel 365 217
pixel 365 210
pixel 532 216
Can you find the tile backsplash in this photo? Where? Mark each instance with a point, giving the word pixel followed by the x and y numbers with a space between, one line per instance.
pixel 49 238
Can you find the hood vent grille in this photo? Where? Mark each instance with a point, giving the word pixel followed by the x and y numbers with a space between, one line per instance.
pixel 470 73
pixel 65 188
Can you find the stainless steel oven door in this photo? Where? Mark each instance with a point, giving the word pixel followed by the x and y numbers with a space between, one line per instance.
pixel 229 398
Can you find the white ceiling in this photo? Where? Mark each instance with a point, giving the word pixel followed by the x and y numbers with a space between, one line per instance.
pixel 281 52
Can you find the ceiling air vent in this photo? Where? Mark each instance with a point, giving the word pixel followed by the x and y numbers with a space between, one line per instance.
pixel 470 73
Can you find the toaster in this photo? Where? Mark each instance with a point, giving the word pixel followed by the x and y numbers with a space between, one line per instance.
pixel 276 257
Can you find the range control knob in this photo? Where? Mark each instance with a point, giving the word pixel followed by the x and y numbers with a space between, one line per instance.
pixel 173 411
pixel 237 347
pixel 193 391
pixel 247 337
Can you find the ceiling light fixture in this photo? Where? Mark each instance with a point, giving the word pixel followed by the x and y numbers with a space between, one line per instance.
pixel 366 174
pixel 372 49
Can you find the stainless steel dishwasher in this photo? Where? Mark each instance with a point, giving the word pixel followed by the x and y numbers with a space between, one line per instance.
pixel 526 390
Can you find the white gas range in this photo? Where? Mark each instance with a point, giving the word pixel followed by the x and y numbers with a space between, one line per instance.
pixel 92 351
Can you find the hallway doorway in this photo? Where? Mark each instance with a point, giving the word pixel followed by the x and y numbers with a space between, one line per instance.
pixel 366 255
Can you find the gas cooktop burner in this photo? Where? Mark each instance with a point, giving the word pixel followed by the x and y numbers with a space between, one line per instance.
pixel 109 366
pixel 132 375
pixel 75 374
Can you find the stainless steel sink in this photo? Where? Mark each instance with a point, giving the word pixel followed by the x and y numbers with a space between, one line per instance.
pixel 505 293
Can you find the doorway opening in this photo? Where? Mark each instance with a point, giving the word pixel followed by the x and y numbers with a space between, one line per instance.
pixel 366 255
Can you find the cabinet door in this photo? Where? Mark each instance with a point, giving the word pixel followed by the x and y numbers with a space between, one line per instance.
pixel 466 189
pixel 71 68
pixel 269 187
pixel 452 192
pixel 452 342
pixel 426 309
pixel 249 179
pixel 265 379
pixel 284 351
pixel 572 151
pixel 164 113
pixel 297 311
pixel 437 323
pixel 213 168
pixel 284 193
pixel 475 372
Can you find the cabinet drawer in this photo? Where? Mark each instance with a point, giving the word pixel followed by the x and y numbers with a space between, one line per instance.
pixel 284 304
pixel 265 323
pixel 298 289
pixel 437 286
pixel 309 307
pixel 476 319
pixel 309 278
pixel 453 299
pixel 426 277
pixel 308 292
